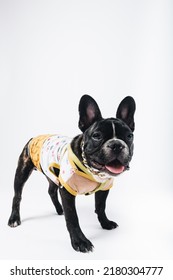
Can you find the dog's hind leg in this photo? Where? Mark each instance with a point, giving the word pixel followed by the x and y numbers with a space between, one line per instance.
pixel 53 192
pixel 100 204
pixel 23 171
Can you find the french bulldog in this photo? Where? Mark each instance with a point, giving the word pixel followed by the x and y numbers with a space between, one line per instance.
pixel 86 164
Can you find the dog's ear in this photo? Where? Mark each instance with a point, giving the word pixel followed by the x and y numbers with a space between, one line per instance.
pixel 89 112
pixel 126 111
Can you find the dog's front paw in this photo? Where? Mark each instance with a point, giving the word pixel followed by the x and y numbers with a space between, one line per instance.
pixel 14 220
pixel 82 245
pixel 109 225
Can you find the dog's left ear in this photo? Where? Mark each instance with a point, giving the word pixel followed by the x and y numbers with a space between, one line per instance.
pixel 89 112
pixel 126 111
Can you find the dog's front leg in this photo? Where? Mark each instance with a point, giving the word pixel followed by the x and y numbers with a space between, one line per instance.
pixel 78 239
pixel 100 205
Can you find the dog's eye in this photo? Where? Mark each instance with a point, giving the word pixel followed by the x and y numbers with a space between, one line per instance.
pixel 130 136
pixel 97 136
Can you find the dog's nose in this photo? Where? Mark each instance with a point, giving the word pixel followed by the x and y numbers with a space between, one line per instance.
pixel 116 146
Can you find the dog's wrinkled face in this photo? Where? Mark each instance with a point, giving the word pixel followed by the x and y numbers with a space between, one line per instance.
pixel 108 146
pixel 107 143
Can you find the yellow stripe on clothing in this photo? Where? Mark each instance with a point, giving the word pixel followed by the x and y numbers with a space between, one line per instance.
pixel 35 146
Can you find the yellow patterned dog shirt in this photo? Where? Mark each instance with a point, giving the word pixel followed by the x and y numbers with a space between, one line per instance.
pixel 50 152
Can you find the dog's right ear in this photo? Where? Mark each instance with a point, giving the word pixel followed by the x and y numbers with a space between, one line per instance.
pixel 89 112
pixel 126 111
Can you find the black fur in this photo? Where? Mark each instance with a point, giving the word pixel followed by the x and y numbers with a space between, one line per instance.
pixel 108 146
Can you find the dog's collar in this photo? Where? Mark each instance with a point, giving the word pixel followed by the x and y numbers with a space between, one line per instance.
pixel 74 159
pixel 94 174
pixel 93 171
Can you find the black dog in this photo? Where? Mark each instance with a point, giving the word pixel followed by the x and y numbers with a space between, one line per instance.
pixel 86 164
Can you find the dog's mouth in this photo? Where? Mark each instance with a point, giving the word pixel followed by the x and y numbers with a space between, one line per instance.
pixel 114 167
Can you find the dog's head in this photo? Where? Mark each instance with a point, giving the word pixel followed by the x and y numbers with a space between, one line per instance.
pixel 107 145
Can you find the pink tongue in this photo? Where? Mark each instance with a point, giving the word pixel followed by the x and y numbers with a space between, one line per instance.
pixel 115 170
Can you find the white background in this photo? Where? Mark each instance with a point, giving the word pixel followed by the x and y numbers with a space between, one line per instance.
pixel 53 52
